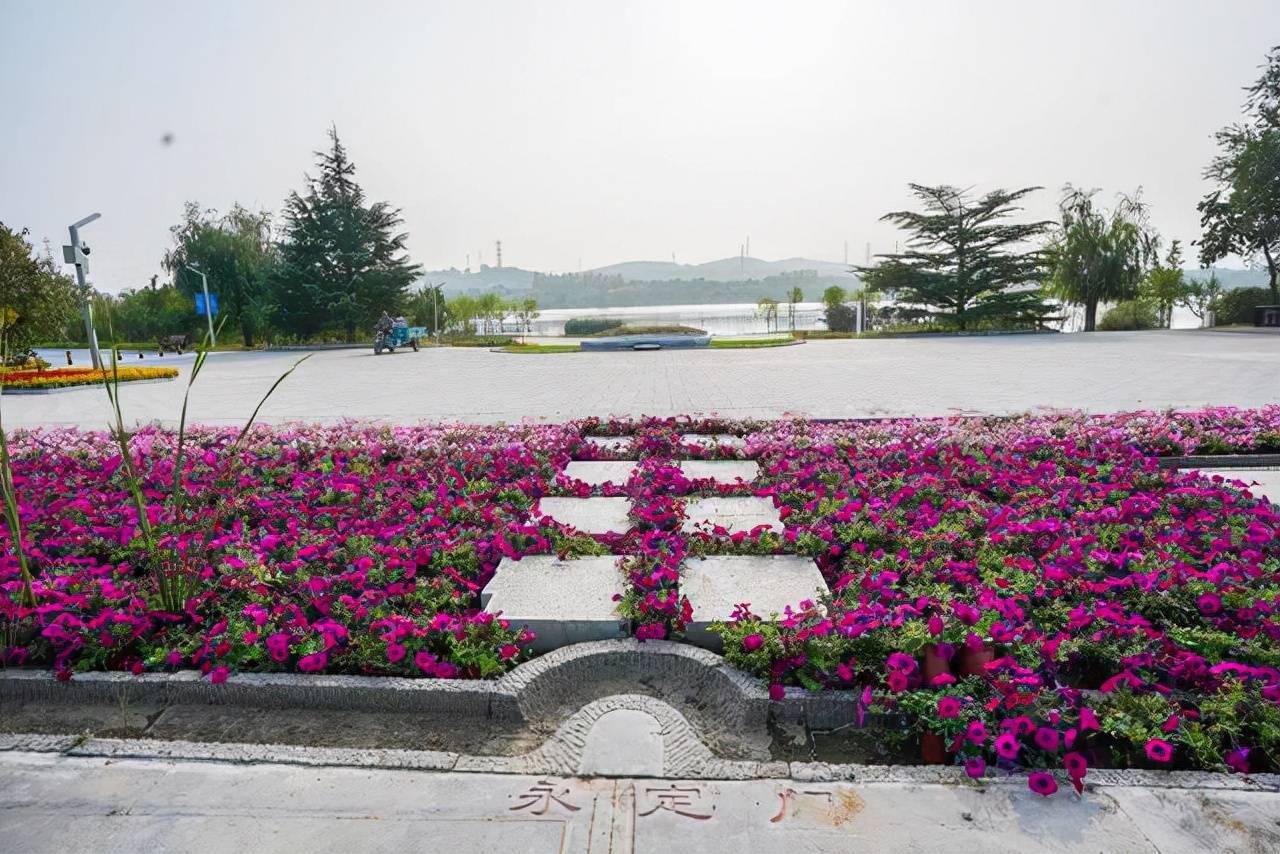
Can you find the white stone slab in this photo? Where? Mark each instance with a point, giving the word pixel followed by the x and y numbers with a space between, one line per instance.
pixel 595 515
pixel 623 742
pixel 717 440
pixel 610 443
pixel 721 471
pixel 768 583
pixel 600 472
pixel 1267 488
pixel 562 601
pixel 734 513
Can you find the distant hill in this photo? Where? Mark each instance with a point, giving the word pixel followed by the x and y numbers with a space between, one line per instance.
pixel 724 270
pixel 1229 278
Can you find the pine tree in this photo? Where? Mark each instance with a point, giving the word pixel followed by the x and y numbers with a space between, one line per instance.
pixel 964 261
pixel 342 261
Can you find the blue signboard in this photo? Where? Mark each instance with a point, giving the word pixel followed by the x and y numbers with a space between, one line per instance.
pixel 213 304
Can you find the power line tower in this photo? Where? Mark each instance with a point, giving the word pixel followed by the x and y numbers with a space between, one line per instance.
pixel 499 248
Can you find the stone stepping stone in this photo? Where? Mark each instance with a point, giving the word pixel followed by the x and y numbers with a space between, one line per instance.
pixel 734 513
pixel 600 472
pixel 561 601
pixel 595 515
pixel 610 443
pixel 721 471
pixel 768 583
pixel 715 440
pixel 1268 481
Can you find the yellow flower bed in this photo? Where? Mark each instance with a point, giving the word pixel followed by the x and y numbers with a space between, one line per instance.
pixel 24 378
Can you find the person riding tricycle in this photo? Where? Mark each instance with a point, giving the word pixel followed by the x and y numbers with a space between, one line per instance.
pixel 389 334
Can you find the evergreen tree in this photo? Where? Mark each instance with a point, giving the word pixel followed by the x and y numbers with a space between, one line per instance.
pixel 36 301
pixel 342 263
pixel 965 263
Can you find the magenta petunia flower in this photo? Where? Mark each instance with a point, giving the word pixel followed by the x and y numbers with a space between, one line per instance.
pixel 1237 760
pixel 777 693
pixel 975 767
pixel 1075 763
pixel 219 674
pixel 314 662
pixel 395 652
pixel 1047 739
pixel 976 732
pixel 897 682
pixel 753 641
pixel 1042 783
pixel 1007 746
pixel 1159 750
pixel 948 707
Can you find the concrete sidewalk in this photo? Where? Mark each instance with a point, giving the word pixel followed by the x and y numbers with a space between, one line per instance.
pixel 52 802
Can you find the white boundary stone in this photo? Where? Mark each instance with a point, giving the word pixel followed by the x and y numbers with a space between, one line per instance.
pixel 734 513
pixel 610 443
pixel 717 440
pixel 595 515
pixel 562 601
pixel 721 471
pixel 600 472
pixel 768 583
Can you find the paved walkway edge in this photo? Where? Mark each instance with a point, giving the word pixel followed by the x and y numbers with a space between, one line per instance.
pixel 425 760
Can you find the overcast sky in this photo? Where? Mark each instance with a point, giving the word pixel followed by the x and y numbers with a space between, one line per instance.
pixel 587 133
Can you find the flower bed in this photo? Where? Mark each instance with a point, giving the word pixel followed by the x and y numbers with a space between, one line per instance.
pixel 66 377
pixel 1033 592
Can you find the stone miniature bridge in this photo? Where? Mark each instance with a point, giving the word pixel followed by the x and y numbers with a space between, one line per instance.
pixel 573 601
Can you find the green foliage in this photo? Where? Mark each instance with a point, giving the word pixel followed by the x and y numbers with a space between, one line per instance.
pixel 1098 256
pixel 1130 315
pixel 767 307
pixel 1236 306
pixel 428 307
pixel 341 262
pixel 36 302
pixel 652 329
pixel 965 262
pixel 589 325
pixel 1165 286
pixel 1241 215
pixel 236 254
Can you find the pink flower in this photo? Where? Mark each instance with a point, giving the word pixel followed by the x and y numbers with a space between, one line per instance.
pixel 1075 763
pixel 753 641
pixel 425 661
pixel 278 646
pixel 314 662
pixel 975 767
pixel 508 651
pixel 1042 783
pixel 1088 720
pixel 976 732
pixel 1007 746
pixel 395 652
pixel 776 692
pixel 897 682
pixel 1159 750
pixel 948 707
pixel 1047 739
pixel 219 674
pixel 845 672
pixel 1238 760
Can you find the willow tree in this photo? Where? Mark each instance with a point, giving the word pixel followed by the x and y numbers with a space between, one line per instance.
pixel 965 261
pixel 1098 256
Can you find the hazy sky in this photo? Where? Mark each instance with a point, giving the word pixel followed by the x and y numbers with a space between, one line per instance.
pixel 595 132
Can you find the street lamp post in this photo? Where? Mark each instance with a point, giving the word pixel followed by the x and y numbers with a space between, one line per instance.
pixel 208 308
pixel 75 254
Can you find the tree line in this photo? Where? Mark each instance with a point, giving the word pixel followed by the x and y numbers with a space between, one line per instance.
pixel 968 262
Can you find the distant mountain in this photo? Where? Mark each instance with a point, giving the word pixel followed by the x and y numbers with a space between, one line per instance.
pixel 734 269
pixel 1229 278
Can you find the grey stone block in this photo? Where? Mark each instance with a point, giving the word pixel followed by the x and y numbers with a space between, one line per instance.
pixel 733 513
pixel 768 583
pixel 717 440
pixel 1267 487
pixel 561 601
pixel 721 471
pixel 610 443
pixel 600 472
pixel 595 515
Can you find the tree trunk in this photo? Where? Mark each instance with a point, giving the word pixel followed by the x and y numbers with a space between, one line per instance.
pixel 1090 314
pixel 247 334
pixel 1271 269
pixel 351 330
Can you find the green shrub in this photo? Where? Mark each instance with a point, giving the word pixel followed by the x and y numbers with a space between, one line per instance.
pixel 589 325
pixel 1237 305
pixel 659 329
pixel 1129 315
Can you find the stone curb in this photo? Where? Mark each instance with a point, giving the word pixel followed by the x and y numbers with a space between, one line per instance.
pixel 539 763
pixel 538 690
pixel 1225 461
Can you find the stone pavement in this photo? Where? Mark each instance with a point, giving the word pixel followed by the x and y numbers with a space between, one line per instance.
pixel 1260 483
pixel 51 802
pixel 1099 372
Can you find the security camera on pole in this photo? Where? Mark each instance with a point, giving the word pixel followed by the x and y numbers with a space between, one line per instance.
pixel 77 254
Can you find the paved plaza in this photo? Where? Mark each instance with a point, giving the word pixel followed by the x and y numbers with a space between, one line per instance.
pixel 1099 372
